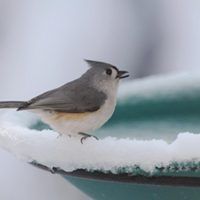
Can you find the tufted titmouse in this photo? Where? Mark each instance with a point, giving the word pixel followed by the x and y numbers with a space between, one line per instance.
pixel 80 106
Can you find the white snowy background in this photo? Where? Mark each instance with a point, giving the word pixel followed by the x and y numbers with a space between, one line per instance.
pixel 43 43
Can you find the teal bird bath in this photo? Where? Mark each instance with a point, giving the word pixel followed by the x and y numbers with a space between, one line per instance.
pixel 153 108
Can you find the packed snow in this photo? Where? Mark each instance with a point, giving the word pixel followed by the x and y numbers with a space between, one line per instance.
pixel 108 154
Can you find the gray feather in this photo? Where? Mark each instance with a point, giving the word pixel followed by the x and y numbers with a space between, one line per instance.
pixel 74 97
pixel 99 64
pixel 11 104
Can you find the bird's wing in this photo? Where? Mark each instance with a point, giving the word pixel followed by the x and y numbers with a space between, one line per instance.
pixel 70 99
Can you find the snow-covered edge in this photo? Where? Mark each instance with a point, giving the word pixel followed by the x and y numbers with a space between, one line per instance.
pixel 108 154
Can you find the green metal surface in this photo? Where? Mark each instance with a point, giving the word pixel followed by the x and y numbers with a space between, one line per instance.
pixel 104 190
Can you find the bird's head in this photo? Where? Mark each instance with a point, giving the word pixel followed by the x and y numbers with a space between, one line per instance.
pixel 104 75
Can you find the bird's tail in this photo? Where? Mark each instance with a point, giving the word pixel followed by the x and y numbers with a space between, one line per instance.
pixel 11 104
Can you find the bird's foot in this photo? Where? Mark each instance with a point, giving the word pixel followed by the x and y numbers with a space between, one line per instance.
pixel 53 170
pixel 85 136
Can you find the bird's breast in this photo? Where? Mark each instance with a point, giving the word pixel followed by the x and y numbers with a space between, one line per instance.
pixel 69 116
pixel 69 123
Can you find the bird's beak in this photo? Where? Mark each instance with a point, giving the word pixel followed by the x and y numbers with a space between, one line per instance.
pixel 122 74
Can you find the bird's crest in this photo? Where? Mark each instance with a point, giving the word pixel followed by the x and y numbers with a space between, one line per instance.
pixel 93 63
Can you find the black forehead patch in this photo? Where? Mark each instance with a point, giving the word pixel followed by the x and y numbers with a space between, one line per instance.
pixel 115 68
pixel 104 65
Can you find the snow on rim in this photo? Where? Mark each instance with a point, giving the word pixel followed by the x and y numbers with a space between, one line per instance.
pixel 108 154
pixel 168 85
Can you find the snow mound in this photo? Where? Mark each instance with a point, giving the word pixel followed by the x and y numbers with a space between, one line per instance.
pixel 108 154
pixel 170 86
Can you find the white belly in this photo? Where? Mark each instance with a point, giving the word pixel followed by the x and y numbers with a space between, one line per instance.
pixel 73 123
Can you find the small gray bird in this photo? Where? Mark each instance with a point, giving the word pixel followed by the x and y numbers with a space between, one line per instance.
pixel 80 106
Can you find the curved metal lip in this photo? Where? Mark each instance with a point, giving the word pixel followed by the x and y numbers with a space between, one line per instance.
pixel 179 181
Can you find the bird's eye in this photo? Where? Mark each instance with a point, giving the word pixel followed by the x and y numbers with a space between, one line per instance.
pixel 109 71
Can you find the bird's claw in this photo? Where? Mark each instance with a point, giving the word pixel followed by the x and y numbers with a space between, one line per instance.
pixel 53 170
pixel 88 136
